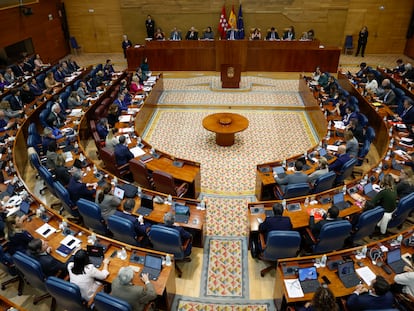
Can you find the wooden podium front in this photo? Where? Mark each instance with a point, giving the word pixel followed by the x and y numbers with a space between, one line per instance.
pixel 230 76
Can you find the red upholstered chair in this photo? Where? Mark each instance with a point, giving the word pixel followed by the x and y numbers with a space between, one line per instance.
pixel 108 158
pixel 164 182
pixel 140 174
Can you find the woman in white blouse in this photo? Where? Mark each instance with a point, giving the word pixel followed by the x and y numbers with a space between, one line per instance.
pixel 85 275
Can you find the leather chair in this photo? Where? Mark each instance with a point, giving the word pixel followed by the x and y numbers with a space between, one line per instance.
pixel 279 244
pixel 123 230
pixel 64 197
pixel 108 158
pixel 74 45
pixel 400 214
pixel 291 191
pixel 32 130
pixel 366 223
pixel 65 294
pixel 399 102
pixel 140 174
pixel 7 261
pixel 91 215
pixel 349 44
pixel 346 171
pixel 164 183
pixel 30 271
pixel 105 302
pixel 332 236
pixel 324 182
pixel 47 178
pixel 362 119
pixel 363 151
pixel 44 114
pixel 168 240
pixel 33 141
pixel 370 134
pixel 40 80
pixel 76 84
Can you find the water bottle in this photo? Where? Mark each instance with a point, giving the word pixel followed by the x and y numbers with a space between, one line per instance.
pixel 203 205
pixel 169 199
pixel 168 260
pixel 284 163
pixel 139 192
pixel 284 204
pixel 391 142
pixel 305 155
pixel 399 239
pixel 95 169
pixel 388 155
pixel 323 261
pixel 306 202
pixel 344 189
pixel 123 254
pixel 364 251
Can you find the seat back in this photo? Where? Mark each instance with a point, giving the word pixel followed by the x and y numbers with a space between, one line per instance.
pixel 30 269
pixel 40 80
pixel 73 43
pixel 296 190
pixel 404 208
pixel 362 119
pixel 332 236
pixel 105 302
pixel 349 43
pixel 63 194
pixel 324 182
pixel 66 294
pixel 346 171
pixel 32 141
pixel 43 117
pixel 47 178
pixel 167 240
pixel 92 217
pixel 370 134
pixel 35 160
pixel 164 182
pixel 108 157
pixel 367 222
pixel 281 244
pixel 122 229
pixel 140 173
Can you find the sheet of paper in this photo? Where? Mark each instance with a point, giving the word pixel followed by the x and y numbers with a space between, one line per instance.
pixel 293 288
pixel 46 230
pixel 68 240
pixel 77 112
pixel 126 118
pixel 332 148
pixel 126 130
pixel 366 275
pixel 137 151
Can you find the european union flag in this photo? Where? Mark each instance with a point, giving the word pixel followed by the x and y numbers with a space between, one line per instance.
pixel 240 23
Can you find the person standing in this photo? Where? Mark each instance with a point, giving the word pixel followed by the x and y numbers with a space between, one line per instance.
pixel 362 41
pixel 126 43
pixel 150 25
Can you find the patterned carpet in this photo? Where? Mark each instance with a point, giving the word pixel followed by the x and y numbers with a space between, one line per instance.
pixel 187 304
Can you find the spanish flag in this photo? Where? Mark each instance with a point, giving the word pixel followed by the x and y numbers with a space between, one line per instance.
pixel 232 19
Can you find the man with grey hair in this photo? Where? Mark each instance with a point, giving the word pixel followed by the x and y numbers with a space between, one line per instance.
pixel 186 237
pixel 55 118
pixel 77 189
pixel 137 296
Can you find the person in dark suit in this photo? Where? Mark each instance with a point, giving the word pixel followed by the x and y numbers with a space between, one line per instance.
pixel 175 34
pixel 78 189
pixel 15 101
pixel 40 250
pixel 407 116
pixel 169 220
pixel 331 215
pixel 17 236
pixel 232 34
pixel 122 153
pixel 126 44
pixel 362 41
pixel 150 25
pixel 289 34
pixel 377 297
pixel 297 177
pixel 388 96
pixel 192 34
pixel 56 119
pixel 341 158
pixel 59 75
pixel 26 95
pixel 102 128
pixel 27 65
pixel 19 70
pixel 35 88
pixel 272 34
pixel 276 222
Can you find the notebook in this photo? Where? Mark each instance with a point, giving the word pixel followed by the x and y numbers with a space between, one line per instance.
pixel 369 191
pixel 152 266
pixel 308 278
pixel 96 255
pixel 338 200
pixel 395 261
pixel 24 209
pixel 119 193
pixel 347 274
pixel 147 205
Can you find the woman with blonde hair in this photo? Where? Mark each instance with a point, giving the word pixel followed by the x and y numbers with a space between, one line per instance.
pixel 405 184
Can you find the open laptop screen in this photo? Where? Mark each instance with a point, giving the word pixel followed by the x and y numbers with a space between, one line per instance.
pixel 346 268
pixel 119 193
pixel 307 274
pixel 394 255
pixel 153 262
pixel 339 197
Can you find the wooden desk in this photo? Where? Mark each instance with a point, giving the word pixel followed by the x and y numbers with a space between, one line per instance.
pixel 225 125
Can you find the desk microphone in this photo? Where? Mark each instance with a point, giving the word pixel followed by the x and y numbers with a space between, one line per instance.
pixel 376 256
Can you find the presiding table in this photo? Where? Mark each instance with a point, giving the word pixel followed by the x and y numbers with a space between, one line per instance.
pixel 225 125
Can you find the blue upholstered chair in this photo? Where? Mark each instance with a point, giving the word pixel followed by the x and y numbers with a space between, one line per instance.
pixel 349 44
pixel 370 134
pixel 399 101
pixel 331 237
pixel 74 45
pixel 47 177
pixel 30 271
pixel 123 230
pixel 279 244
pixel 105 302
pixel 324 182
pixel 65 294
pixel 92 217
pixel 44 114
pixel 64 197
pixel 168 240
pixel 7 261
pixel 362 152
pixel 291 191
pixel 40 80
pixel 165 183
pixel 404 208
pixel 362 119
pixel 346 171
pixel 366 223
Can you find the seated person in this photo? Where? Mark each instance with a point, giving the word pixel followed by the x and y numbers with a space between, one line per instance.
pixel 39 63
pixel 405 182
pixel 65 69
pixel 135 87
pixel 78 189
pixel 408 74
pixel 26 94
pixel 62 173
pixel 352 145
pixel 407 116
pixel 90 84
pixel 107 201
pixel 47 137
pixel 323 299
pixel 275 222
pixel 5 125
pixel 169 220
pixel 50 81
pixel 56 119
pixel 192 34
pixel 232 34
pixel 289 34
pixel 357 130
pixel 297 177
pixel 18 237
pixel 387 96
pixel 102 128
pixel 159 35
pixel 376 297
pixel 72 65
pixel 82 91
pixel 35 88
pixel 256 34
pixel 361 75
pixel 141 75
pixel 137 296
pixel 121 102
pixel 400 66
pixel 51 155
pixel 74 100
pixel 208 34
pixel 3 82
pixel 175 35
pixel 122 153
pixel 404 282
pixel 40 250
pixel 330 216
pixel 85 275
pixel 272 34
pixel 145 67
pixel 59 75
pixel 113 114
pixel 108 67
pixel 349 114
pixel 111 140
pixel 371 86
pixel 341 158
pixel 8 112
pixel 321 170
pixel 141 228
pixel 15 101
pixel 9 76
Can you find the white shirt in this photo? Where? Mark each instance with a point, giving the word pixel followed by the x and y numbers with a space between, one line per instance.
pixel 407 279
pixel 86 281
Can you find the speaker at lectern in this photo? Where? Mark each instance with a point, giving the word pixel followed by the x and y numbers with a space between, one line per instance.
pixel 230 76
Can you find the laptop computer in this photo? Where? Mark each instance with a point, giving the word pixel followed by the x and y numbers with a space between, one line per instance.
pixel 279 171
pixel 369 191
pixel 293 207
pixel 152 266
pixel 182 213
pixel 339 201
pixel 308 278
pixel 347 274
pixel 96 255
pixel 325 154
pixel 395 261
pixel 24 209
pixel 119 193
pixel 147 205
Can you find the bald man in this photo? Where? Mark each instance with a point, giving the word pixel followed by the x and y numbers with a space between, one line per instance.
pixel 341 158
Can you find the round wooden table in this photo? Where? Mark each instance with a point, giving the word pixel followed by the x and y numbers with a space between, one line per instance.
pixel 225 125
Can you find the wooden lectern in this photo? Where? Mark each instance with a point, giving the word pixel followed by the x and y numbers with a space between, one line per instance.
pixel 230 76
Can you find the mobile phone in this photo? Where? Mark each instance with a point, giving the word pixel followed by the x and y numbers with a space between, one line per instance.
pixel 114 253
pixel 326 280
pixel 46 231
pixel 71 242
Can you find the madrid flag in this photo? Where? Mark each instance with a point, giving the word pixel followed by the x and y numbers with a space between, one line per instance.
pixel 222 26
